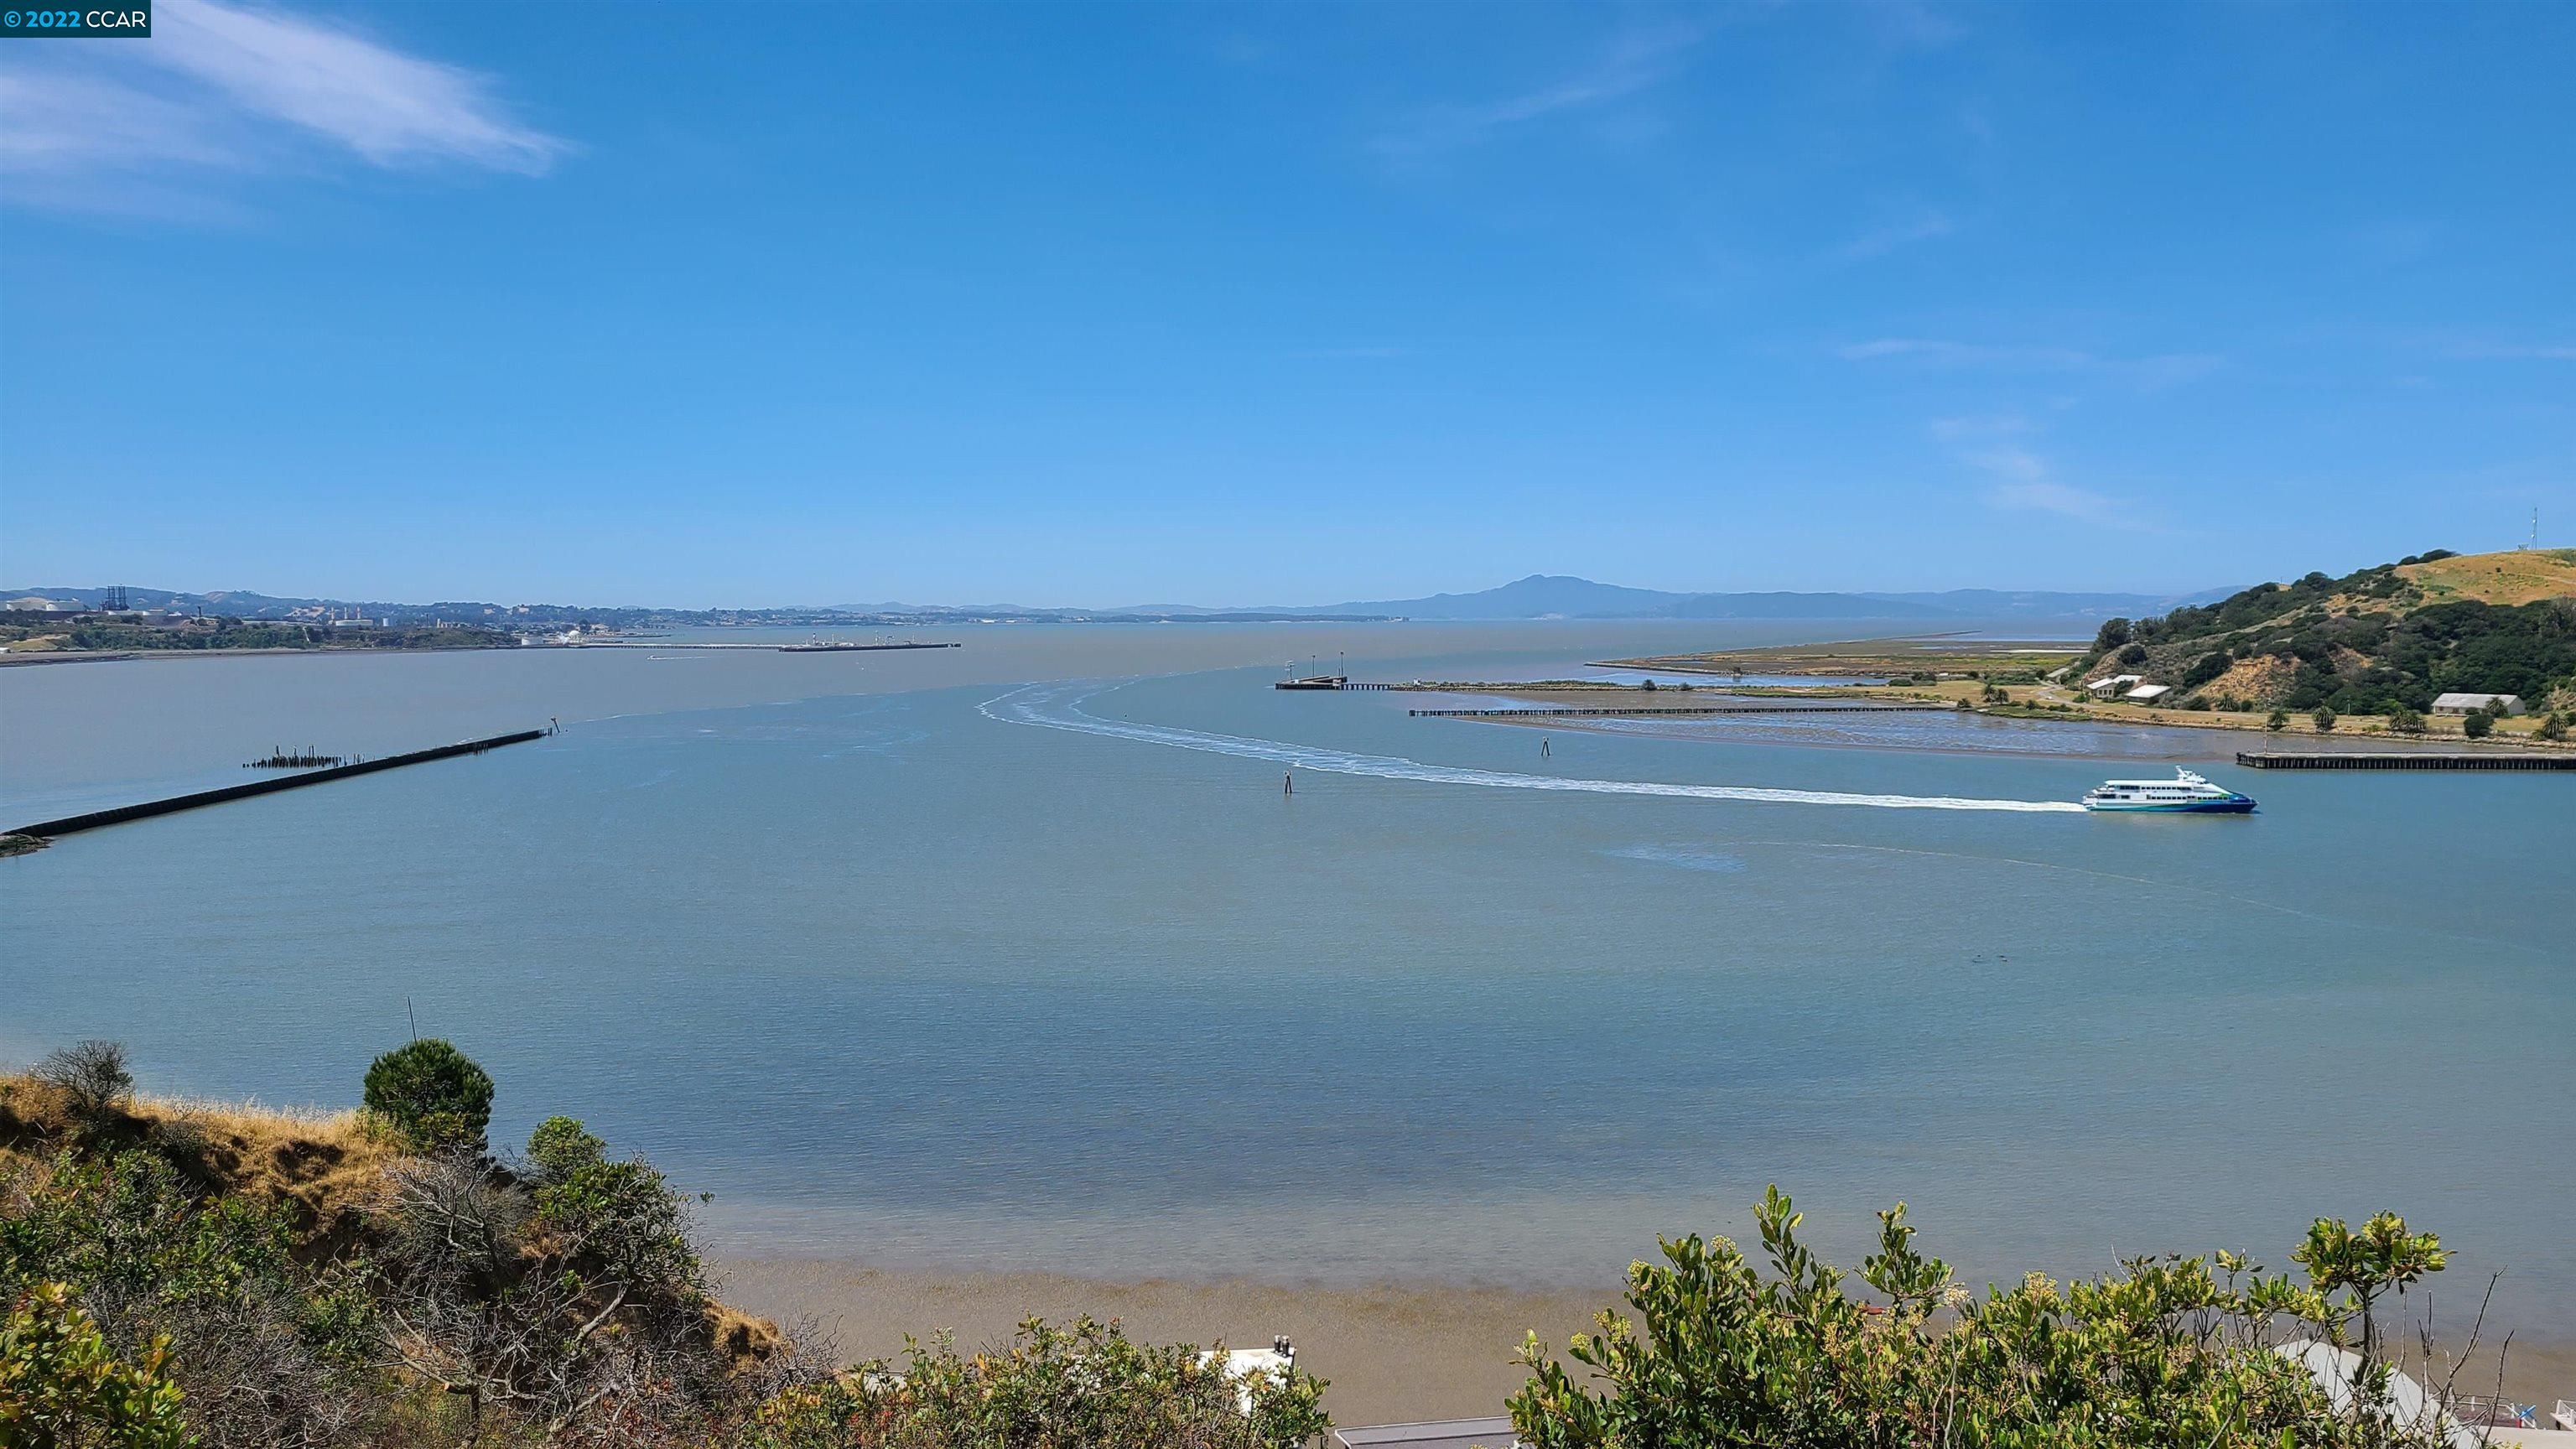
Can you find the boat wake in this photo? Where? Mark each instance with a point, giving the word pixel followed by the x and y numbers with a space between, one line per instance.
pixel 1059 707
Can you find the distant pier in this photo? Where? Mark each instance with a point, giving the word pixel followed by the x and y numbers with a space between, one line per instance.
pixel 2399 760
pixel 1327 681
pixel 69 824
pixel 1545 711
pixel 824 647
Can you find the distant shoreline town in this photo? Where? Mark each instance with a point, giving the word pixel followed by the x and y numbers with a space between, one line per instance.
pixel 117 619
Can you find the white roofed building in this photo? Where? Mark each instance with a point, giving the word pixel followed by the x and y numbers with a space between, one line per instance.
pixel 2472 703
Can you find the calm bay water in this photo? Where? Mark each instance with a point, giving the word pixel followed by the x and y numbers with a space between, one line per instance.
pixel 1017 955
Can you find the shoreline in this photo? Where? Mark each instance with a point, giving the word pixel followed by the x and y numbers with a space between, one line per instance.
pixel 2365 732
pixel 118 656
pixel 1392 1352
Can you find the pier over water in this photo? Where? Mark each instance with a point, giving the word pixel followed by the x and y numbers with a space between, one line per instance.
pixel 2399 760
pixel 95 819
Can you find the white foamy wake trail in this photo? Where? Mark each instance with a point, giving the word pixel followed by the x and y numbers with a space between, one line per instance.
pixel 1050 708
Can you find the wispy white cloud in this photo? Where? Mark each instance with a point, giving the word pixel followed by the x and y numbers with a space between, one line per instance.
pixel 392 109
pixel 1968 354
pixel 1980 425
pixel 234 88
pixel 2515 352
pixel 2020 479
pixel 2154 370
pixel 1635 63
pixel 1928 226
pixel 1909 23
pixel 2046 495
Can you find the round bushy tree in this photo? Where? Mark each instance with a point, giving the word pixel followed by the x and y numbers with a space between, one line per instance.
pixel 560 1147
pixel 432 1095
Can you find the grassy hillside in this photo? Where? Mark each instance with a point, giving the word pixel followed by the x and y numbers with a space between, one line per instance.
pixel 2383 638
pixel 2524 576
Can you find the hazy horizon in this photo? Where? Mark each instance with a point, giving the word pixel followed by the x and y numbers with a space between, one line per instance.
pixel 13 590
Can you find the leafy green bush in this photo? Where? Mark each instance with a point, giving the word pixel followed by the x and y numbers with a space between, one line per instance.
pixel 1083 1384
pixel 61 1383
pixel 620 1222
pixel 2168 1351
pixel 2277 720
pixel 2405 721
pixel 269 1350
pixel 2206 668
pixel 2478 724
pixel 560 1147
pixel 431 1095
pixel 2323 719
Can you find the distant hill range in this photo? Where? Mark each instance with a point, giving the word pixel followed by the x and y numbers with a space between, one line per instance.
pixel 1546 596
pixel 2393 635
pixel 1562 596
pixel 1540 596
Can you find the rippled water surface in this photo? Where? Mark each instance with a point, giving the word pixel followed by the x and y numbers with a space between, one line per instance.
pixel 1020 955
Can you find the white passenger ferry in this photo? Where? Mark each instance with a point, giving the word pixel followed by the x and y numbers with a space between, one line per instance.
pixel 2185 794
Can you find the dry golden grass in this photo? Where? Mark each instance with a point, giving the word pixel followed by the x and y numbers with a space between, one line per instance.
pixel 322 1166
pixel 2522 576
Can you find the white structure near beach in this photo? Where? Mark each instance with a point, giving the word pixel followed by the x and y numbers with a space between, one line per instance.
pixel 2112 682
pixel 2148 693
pixel 2472 703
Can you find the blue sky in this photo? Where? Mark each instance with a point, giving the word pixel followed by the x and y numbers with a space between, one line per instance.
pixel 698 304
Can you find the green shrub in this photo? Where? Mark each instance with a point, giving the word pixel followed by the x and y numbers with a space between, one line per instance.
pixel 62 1384
pixel 431 1095
pixel 2405 721
pixel 2478 725
pixel 2324 719
pixel 560 1147
pixel 2554 727
pixel 267 1349
pixel 2168 1351
pixel 619 1222
pixel 1083 1384
pixel 2277 720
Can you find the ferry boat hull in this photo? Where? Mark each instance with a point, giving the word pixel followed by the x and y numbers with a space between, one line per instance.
pixel 2185 794
pixel 2241 805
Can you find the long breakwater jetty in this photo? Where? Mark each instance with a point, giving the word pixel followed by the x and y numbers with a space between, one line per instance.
pixel 2400 760
pixel 69 824
pixel 1613 712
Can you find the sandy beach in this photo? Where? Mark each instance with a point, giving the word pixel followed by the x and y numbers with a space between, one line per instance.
pixel 1392 1352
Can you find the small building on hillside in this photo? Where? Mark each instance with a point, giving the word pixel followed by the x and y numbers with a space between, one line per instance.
pixel 2113 682
pixel 2148 693
pixel 2473 703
